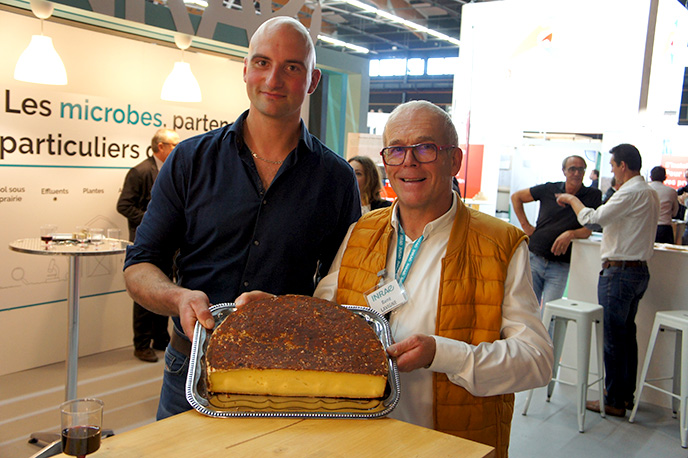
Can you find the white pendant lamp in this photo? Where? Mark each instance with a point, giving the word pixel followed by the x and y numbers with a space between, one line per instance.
pixel 40 63
pixel 181 85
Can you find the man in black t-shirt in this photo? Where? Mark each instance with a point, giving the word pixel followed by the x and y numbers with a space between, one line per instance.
pixel 550 239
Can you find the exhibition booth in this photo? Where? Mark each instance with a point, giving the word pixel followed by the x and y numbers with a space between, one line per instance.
pixel 65 150
pixel 537 81
pixel 541 80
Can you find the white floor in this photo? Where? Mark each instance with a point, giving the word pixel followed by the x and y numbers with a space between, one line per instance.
pixel 29 402
pixel 551 430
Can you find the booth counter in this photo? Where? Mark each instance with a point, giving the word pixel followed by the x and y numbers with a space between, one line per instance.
pixel 666 291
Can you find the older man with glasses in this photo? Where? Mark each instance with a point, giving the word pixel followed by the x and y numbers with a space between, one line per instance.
pixel 457 291
pixel 550 239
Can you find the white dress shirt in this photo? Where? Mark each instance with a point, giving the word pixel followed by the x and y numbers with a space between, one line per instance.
pixel 158 162
pixel 629 219
pixel 668 202
pixel 522 360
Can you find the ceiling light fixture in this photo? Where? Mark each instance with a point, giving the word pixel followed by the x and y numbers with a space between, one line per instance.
pixel 181 85
pixel 197 3
pixel 398 20
pixel 334 41
pixel 40 63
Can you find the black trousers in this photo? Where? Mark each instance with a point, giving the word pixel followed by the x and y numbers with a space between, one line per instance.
pixel 665 234
pixel 149 327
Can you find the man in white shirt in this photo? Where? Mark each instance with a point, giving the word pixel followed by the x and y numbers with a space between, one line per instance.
pixel 467 327
pixel 668 205
pixel 629 219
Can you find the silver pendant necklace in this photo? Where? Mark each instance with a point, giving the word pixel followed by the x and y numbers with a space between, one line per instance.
pixel 263 159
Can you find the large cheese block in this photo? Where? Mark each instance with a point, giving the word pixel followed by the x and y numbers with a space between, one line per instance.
pixel 296 346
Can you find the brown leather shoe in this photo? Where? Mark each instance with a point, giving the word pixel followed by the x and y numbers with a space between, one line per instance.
pixel 147 355
pixel 609 410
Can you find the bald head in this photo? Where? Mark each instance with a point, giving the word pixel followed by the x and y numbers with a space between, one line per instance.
pixel 276 25
pixel 426 108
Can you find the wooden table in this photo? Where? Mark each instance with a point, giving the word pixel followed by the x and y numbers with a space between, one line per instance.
pixel 192 434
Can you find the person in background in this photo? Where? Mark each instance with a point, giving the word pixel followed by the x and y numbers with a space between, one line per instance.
pixel 369 184
pixel 595 177
pixel 231 202
pixel 614 186
pixel 683 189
pixel 149 327
pixel 629 219
pixel 683 200
pixel 468 333
pixel 556 227
pixel 668 205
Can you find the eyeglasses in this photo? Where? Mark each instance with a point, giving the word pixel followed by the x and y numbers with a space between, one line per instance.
pixel 422 152
pixel 576 169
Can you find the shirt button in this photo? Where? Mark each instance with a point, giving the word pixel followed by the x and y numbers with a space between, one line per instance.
pixel 245 283
pixel 256 242
pixel 265 202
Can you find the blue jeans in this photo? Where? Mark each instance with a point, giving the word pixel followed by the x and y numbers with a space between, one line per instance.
pixel 549 279
pixel 619 291
pixel 173 391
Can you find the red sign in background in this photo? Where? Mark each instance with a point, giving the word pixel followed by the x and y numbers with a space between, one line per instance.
pixel 676 167
pixel 470 175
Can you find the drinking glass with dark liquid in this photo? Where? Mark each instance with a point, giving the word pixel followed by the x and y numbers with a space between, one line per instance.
pixel 47 231
pixel 81 424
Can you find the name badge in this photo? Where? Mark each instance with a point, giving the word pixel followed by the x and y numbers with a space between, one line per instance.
pixel 386 297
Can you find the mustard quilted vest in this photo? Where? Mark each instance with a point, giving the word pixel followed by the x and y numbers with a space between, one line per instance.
pixel 469 308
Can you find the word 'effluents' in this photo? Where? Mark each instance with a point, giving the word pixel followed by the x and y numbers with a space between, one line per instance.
pixel 10 194
pixel 53 191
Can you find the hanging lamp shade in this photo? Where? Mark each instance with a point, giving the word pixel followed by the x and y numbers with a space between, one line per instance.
pixel 40 63
pixel 181 85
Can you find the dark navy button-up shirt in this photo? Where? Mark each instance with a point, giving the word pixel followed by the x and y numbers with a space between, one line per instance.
pixel 232 235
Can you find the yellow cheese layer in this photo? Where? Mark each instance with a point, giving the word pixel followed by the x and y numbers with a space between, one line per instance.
pixel 277 382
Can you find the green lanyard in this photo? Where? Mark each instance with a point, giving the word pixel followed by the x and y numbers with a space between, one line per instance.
pixel 401 245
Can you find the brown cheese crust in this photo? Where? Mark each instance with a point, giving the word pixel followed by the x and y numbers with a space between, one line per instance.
pixel 297 333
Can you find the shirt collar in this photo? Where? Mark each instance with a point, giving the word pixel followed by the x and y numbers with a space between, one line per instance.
pixel 158 162
pixel 235 132
pixel 630 182
pixel 433 226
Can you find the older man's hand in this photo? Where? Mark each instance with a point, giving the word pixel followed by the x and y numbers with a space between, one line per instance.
pixel 413 352
pixel 251 296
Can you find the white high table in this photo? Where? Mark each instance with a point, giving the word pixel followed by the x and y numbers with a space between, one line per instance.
pixel 75 252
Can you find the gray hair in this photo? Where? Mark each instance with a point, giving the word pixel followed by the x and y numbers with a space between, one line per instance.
pixel 418 105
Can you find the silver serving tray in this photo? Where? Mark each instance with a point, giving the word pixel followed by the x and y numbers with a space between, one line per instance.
pixel 235 405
